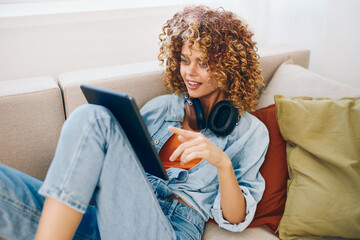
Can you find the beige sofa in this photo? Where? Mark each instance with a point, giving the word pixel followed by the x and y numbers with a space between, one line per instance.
pixel 32 112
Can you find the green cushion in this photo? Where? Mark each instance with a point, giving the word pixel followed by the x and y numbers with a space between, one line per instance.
pixel 323 155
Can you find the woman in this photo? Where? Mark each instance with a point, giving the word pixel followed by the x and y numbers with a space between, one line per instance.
pixel 212 148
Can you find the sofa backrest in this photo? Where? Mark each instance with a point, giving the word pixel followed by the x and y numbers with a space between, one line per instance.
pixel 142 80
pixel 145 81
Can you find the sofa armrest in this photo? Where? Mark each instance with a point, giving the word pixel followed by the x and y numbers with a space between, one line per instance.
pixel 31 116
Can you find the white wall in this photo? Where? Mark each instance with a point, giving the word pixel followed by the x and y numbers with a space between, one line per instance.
pixel 50 44
pixel 329 28
pixel 41 44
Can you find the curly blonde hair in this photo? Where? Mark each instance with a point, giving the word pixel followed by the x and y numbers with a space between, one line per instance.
pixel 225 41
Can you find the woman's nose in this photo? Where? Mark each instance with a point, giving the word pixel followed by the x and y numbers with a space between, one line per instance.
pixel 191 70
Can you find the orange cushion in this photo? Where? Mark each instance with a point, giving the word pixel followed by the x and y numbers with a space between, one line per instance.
pixel 274 170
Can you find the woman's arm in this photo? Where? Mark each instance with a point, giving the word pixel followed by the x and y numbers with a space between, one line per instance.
pixel 196 145
pixel 233 203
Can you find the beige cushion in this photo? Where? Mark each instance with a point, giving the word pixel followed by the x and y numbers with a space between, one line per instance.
pixel 292 80
pixel 31 116
pixel 323 155
pixel 272 57
pixel 213 232
pixel 143 80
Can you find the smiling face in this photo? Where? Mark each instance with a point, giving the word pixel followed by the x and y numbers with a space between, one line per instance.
pixel 196 75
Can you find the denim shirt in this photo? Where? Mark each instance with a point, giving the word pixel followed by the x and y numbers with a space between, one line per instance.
pixel 246 146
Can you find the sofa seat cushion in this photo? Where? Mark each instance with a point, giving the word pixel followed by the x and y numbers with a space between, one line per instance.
pixel 213 232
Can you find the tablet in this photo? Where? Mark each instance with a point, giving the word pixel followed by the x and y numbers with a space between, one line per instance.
pixel 124 108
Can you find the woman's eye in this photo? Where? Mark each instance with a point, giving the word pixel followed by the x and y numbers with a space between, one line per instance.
pixel 184 61
pixel 204 65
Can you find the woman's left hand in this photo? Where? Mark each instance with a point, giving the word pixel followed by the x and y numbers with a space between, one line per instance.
pixel 196 145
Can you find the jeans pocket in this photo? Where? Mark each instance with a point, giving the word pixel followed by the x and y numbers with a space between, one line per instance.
pixel 184 228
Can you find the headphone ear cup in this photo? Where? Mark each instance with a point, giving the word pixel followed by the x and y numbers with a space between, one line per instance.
pixel 223 118
pixel 199 113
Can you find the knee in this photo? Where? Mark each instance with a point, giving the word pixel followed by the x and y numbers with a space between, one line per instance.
pixel 87 115
pixel 11 177
pixel 4 171
pixel 89 111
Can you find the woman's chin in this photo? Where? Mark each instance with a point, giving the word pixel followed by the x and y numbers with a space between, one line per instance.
pixel 194 95
pixel 197 93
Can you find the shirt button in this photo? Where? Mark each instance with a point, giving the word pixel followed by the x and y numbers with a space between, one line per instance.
pixel 156 141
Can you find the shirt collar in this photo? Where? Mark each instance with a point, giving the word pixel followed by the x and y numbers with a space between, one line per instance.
pixel 177 111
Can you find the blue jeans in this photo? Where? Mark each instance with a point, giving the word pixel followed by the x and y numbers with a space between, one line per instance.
pixel 94 160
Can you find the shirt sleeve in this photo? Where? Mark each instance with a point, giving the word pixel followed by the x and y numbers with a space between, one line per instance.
pixel 247 154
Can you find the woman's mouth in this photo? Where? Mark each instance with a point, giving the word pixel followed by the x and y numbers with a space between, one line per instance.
pixel 193 85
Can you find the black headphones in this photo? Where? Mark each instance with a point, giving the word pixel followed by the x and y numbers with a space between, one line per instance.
pixel 222 119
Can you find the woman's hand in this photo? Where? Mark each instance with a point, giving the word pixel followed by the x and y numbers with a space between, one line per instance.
pixel 196 145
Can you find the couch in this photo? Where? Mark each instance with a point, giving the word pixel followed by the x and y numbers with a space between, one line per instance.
pixel 33 110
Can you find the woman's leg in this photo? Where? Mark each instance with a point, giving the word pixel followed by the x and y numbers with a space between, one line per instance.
pixel 21 206
pixel 94 158
pixel 57 219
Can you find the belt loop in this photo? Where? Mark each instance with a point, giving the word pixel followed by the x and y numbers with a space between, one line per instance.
pixel 173 206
